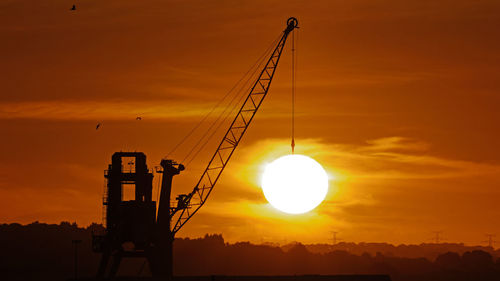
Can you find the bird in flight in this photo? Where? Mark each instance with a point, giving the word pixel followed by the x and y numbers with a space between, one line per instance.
pixel 98 126
pixel 73 8
pixel 138 118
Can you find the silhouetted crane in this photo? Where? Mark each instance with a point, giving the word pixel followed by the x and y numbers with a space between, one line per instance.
pixel 134 221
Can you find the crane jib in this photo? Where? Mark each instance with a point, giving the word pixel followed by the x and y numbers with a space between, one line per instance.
pixel 193 201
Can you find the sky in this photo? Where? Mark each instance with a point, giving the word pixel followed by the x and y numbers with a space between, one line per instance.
pixel 398 100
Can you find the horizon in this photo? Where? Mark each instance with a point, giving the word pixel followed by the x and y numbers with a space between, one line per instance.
pixel 280 243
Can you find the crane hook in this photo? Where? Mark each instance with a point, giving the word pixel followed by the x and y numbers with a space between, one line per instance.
pixel 291 24
pixel 292 21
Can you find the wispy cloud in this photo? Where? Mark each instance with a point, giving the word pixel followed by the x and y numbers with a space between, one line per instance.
pixel 99 110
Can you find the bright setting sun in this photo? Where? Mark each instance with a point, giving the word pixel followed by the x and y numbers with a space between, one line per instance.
pixel 294 184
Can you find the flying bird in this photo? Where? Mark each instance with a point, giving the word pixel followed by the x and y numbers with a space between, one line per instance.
pixel 73 8
pixel 98 126
pixel 138 118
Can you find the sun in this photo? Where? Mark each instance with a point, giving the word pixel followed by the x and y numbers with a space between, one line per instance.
pixel 294 184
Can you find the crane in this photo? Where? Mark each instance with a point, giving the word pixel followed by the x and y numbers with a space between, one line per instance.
pixel 134 221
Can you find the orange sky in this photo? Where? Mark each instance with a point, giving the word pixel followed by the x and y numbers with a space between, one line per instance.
pixel 397 99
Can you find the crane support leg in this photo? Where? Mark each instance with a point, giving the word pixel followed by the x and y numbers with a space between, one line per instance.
pixel 162 259
pixel 115 264
pixel 103 264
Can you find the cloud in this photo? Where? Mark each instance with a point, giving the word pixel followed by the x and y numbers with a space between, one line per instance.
pixel 395 143
pixel 374 186
pixel 351 168
pixel 101 110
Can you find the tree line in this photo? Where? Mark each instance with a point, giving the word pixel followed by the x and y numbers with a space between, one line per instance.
pixel 41 251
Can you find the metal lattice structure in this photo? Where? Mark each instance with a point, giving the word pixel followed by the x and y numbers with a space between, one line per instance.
pixel 151 227
pixel 189 204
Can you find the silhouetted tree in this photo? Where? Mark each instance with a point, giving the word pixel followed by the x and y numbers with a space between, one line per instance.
pixel 477 261
pixel 448 261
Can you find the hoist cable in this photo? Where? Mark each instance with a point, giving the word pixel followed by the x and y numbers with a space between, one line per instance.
pixel 207 132
pixel 254 67
pixel 293 92
pixel 234 107
pixel 183 140
pixel 204 118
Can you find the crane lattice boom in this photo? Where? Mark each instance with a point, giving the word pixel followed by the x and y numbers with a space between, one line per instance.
pixel 190 203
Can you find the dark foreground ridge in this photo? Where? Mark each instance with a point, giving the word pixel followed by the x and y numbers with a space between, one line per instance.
pixel 358 277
